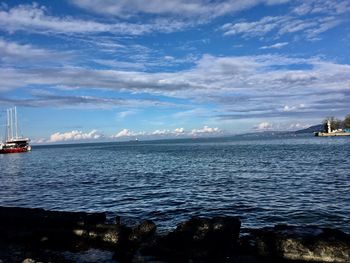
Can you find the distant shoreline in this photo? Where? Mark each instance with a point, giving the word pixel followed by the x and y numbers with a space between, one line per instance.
pixel 258 135
pixel 332 134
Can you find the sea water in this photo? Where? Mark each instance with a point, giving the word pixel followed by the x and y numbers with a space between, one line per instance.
pixel 264 181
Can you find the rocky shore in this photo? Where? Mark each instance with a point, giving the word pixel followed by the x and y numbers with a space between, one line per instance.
pixel 36 235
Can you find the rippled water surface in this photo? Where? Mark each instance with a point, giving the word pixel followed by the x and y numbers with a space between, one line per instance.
pixel 263 181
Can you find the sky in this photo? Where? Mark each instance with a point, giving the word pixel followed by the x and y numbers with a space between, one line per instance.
pixel 91 70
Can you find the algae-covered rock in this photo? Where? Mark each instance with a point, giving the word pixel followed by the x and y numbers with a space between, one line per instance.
pixel 56 228
pixel 133 239
pixel 35 216
pixel 308 243
pixel 199 240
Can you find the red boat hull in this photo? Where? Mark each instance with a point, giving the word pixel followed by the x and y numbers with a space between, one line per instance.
pixel 13 150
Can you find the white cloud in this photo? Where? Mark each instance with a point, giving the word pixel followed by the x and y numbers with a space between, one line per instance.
pixel 14 52
pixel 42 98
pixel 206 130
pixel 322 7
pixel 277 45
pixel 169 58
pixel 298 126
pixel 35 18
pixel 179 130
pixel 123 133
pixel 120 64
pixel 263 126
pixel 310 26
pixel 240 87
pixel 182 8
pixel 127 133
pixel 166 133
pixel 288 108
pixel 161 132
pixel 257 28
pixel 281 126
pixel 10 49
pixel 74 135
pixel 324 25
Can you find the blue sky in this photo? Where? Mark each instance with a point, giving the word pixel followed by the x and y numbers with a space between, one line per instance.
pixel 115 70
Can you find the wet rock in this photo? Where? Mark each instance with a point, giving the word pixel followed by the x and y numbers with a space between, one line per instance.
pixel 144 230
pixel 199 240
pixel 134 239
pixel 58 229
pixel 35 216
pixel 300 243
pixel 15 252
pixel 108 235
pixel 39 235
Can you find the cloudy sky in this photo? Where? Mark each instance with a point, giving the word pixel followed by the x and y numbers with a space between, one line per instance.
pixel 119 69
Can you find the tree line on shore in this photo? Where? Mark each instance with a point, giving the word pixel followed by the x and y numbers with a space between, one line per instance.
pixel 337 124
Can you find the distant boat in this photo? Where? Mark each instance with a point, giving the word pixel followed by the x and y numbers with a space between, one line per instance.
pixel 13 143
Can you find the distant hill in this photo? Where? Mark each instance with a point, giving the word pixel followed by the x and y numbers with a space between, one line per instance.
pixel 264 134
pixel 312 129
pixel 268 134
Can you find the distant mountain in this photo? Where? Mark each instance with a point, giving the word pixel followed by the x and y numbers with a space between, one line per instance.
pixel 264 134
pixel 281 134
pixel 312 129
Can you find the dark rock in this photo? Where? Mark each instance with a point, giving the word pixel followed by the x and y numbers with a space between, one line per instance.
pixel 118 220
pixel 133 240
pixel 108 235
pixel 36 234
pixel 59 229
pixel 199 240
pixel 143 231
pixel 27 253
pixel 36 216
pixel 300 243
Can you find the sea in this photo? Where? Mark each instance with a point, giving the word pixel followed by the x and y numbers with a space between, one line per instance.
pixel 297 180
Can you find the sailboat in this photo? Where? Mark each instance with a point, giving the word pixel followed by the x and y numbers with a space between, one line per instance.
pixel 13 143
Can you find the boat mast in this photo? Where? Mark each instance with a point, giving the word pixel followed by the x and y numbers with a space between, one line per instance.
pixel 7 125
pixel 16 123
pixel 11 122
